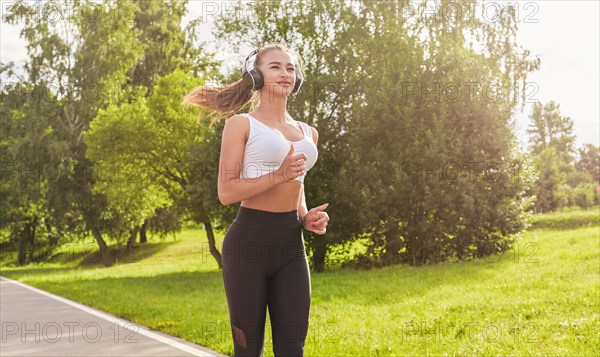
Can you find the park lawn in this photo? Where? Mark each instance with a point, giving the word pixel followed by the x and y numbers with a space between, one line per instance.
pixel 541 298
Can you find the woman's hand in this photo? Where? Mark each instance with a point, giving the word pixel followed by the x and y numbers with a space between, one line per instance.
pixel 315 220
pixel 293 165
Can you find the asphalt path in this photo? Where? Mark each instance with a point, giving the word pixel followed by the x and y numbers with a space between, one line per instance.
pixel 37 323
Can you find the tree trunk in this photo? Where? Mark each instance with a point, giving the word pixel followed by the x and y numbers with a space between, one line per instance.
pixel 22 256
pixel 392 243
pixel 143 238
pixel 320 249
pixel 105 253
pixel 133 235
pixel 52 236
pixel 31 239
pixel 211 242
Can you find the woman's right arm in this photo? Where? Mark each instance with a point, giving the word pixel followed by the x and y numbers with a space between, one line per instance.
pixel 232 188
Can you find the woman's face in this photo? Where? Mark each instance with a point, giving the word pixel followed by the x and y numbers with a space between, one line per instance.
pixel 279 72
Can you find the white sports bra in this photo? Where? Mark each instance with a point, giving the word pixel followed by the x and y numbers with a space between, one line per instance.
pixel 266 148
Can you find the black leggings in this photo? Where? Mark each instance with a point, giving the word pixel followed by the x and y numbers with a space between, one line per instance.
pixel 265 265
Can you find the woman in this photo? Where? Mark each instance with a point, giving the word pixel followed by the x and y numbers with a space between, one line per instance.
pixel 265 155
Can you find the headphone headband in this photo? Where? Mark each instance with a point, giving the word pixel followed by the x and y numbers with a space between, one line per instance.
pixel 245 67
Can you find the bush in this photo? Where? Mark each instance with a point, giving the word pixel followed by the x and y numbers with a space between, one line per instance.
pixel 582 195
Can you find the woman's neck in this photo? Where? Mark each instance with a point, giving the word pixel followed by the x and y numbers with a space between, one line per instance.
pixel 273 110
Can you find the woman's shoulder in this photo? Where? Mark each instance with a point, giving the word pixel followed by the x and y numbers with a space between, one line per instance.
pixel 239 120
pixel 238 117
pixel 240 124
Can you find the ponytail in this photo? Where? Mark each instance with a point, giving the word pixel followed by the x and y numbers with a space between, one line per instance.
pixel 226 100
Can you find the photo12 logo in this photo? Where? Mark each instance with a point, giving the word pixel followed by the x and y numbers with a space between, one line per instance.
pixel 71 331
pixel 471 11
pixel 55 12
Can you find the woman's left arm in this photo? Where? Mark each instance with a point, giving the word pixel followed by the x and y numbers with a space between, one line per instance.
pixel 317 216
pixel 302 208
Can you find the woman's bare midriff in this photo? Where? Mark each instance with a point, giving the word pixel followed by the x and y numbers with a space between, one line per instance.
pixel 284 197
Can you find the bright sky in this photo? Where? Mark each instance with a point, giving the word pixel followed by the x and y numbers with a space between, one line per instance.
pixel 564 34
pixel 566 39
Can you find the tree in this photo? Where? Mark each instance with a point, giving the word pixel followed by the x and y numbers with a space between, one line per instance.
pixel 589 161
pixel 167 157
pixel 121 174
pixel 549 128
pixel 169 47
pixel 550 178
pixel 185 152
pixel 552 145
pixel 434 148
pixel 27 150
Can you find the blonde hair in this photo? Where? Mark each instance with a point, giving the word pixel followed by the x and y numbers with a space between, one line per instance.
pixel 227 100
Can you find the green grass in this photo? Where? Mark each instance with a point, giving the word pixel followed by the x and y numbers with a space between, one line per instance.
pixel 541 298
pixel 567 219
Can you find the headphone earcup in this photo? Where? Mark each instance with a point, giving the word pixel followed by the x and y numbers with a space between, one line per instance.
pixel 259 82
pixel 298 84
pixel 253 79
